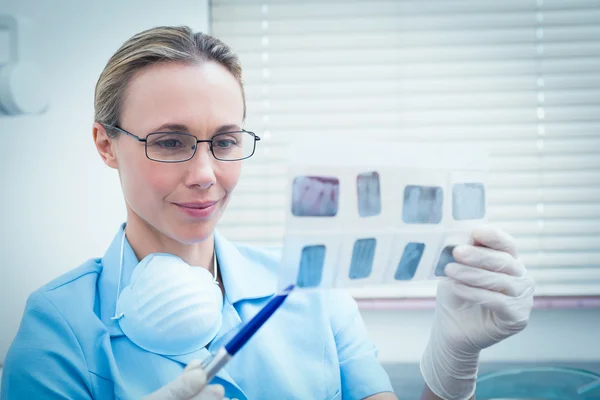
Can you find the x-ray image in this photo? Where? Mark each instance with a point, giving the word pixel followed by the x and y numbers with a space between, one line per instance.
pixel 311 266
pixel 363 255
pixel 422 204
pixel 369 197
pixel 409 261
pixel 468 201
pixel 315 196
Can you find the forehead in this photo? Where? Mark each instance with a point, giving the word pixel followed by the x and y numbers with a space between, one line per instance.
pixel 199 96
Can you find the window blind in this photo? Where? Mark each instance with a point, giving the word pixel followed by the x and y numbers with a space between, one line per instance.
pixel 522 77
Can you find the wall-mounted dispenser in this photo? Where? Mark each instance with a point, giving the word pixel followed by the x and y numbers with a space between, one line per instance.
pixel 21 83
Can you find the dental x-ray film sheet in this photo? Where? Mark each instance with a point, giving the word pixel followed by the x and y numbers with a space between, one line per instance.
pixel 365 214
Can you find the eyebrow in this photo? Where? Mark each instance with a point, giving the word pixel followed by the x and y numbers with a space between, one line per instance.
pixel 228 128
pixel 174 127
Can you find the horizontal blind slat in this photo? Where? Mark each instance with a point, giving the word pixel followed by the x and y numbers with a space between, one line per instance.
pixel 553 85
pixel 378 22
pixel 263 41
pixel 314 10
pixel 544 210
pixel 437 5
pixel 424 70
pixel 405 102
pixel 407 56
pixel 517 131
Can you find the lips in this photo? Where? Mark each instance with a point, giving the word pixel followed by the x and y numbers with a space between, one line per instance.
pixel 198 210
pixel 197 205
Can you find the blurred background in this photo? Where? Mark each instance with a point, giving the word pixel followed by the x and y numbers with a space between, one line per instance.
pixel 521 77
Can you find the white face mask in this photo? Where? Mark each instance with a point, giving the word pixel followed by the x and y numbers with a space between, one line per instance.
pixel 169 307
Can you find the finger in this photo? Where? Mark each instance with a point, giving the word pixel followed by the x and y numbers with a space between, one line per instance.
pixel 495 238
pixel 490 259
pixel 492 300
pixel 480 278
pixel 513 312
pixel 189 384
pixel 211 392
pixel 192 365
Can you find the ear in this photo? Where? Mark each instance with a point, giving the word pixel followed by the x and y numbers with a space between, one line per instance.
pixel 104 145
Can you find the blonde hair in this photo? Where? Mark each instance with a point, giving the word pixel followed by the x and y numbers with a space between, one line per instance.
pixel 156 45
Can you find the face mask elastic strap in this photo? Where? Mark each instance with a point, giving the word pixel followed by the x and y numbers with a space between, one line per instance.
pixel 117 317
pixel 216 278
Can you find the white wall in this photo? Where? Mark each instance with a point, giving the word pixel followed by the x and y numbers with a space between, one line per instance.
pixel 59 205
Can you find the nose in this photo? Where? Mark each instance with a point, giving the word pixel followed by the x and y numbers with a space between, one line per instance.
pixel 200 168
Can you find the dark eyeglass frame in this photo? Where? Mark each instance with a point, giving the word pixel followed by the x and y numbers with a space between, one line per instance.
pixel 209 141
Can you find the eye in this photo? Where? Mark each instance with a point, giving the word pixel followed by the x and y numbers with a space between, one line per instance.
pixel 172 141
pixel 169 143
pixel 224 143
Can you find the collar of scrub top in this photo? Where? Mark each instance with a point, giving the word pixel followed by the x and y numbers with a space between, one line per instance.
pixel 243 279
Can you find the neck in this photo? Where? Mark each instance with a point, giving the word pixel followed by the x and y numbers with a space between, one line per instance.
pixel 145 239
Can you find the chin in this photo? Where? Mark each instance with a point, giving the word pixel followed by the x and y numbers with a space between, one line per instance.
pixel 194 233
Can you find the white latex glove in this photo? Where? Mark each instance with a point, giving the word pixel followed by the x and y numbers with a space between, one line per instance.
pixel 487 298
pixel 190 385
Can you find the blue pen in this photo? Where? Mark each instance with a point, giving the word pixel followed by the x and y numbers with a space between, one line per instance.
pixel 214 363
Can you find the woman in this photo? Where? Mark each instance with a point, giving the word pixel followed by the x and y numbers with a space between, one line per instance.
pixel 169 113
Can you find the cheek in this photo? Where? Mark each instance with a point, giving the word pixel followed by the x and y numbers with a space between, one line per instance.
pixel 229 176
pixel 145 182
pixel 158 181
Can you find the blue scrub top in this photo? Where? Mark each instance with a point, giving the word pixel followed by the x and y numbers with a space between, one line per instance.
pixel 314 347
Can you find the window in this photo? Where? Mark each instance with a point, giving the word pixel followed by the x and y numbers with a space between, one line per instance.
pixel 520 76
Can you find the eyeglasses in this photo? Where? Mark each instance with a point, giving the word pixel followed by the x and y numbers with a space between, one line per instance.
pixel 174 147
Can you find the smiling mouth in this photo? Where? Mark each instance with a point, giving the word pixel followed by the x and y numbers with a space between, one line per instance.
pixel 197 205
pixel 198 210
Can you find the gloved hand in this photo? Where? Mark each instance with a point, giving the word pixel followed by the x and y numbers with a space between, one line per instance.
pixel 487 298
pixel 189 386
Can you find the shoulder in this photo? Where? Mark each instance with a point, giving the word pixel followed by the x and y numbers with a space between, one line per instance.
pixel 50 336
pixel 66 299
pixel 75 277
pixel 75 288
pixel 62 304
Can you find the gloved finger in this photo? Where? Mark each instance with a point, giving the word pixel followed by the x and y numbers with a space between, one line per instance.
pixel 495 238
pixel 192 365
pixel 189 384
pixel 492 300
pixel 480 278
pixel 512 313
pixel 490 259
pixel 211 392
